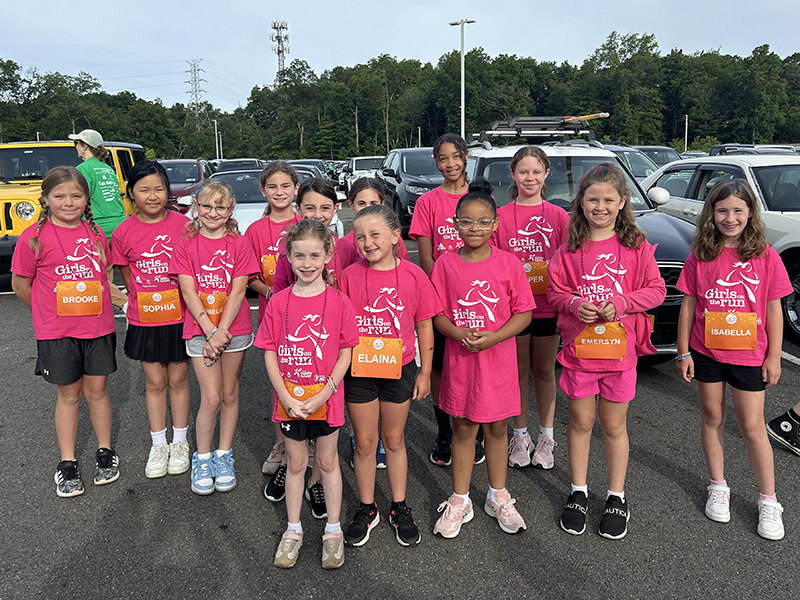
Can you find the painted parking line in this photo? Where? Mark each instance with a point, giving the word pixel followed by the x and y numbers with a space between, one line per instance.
pixel 791 358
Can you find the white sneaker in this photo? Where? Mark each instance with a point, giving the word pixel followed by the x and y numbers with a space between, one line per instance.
pixel 180 458
pixel 770 520
pixel 718 503
pixel 274 459
pixel 520 449
pixel 157 461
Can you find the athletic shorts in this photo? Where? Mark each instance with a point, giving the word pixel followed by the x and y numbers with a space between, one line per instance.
pixel 66 360
pixel 361 390
pixel 194 346
pixel 541 327
pixel 741 377
pixel 616 386
pixel 300 430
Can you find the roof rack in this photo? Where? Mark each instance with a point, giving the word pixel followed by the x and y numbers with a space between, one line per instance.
pixel 558 127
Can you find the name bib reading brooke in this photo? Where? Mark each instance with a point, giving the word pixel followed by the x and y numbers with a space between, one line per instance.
pixel 537 276
pixel 303 393
pixel 378 357
pixel 268 264
pixel 601 341
pixel 79 298
pixel 159 307
pixel 731 331
pixel 214 305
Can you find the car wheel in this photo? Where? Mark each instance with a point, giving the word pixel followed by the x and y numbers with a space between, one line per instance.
pixel 791 306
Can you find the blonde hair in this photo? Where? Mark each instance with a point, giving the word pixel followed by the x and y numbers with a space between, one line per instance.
pixel 208 189
pixel 707 244
pixel 385 213
pixel 278 166
pixel 524 152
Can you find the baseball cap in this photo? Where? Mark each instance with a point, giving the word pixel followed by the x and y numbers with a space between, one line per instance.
pixel 88 136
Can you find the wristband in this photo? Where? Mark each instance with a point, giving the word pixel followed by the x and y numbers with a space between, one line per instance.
pixel 571 302
pixel 332 385
pixel 681 357
pixel 210 335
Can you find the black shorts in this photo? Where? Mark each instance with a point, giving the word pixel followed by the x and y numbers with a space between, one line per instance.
pixel 542 327
pixel 158 344
pixel 300 430
pixel 439 340
pixel 741 377
pixel 361 390
pixel 66 360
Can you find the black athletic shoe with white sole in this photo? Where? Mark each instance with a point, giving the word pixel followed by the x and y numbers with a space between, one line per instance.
pixel 107 469
pixel 316 496
pixel 406 531
pixel 366 517
pixel 573 519
pixel 614 524
pixel 68 479
pixel 275 490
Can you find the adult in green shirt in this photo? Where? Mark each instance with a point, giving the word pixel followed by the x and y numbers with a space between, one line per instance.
pixel 104 198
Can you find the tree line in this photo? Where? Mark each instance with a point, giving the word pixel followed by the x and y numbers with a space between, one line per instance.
pixel 386 103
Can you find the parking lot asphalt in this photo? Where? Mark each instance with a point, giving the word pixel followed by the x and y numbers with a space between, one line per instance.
pixel 154 538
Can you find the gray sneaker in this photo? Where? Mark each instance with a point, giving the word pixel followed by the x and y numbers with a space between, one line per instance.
pixel 107 469
pixel 68 479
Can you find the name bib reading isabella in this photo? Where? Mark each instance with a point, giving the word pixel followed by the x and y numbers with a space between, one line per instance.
pixel 378 357
pixel 303 393
pixel 159 307
pixel 79 298
pixel 601 341
pixel 731 331
pixel 537 276
pixel 214 305
pixel 268 264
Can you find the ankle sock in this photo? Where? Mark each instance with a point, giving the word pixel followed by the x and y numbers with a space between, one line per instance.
pixel 546 431
pixel 774 498
pixel 618 494
pixel 295 527
pixel 159 438
pixel 521 432
pixel 333 528
pixel 464 497
pixel 579 488
pixel 179 434
pixel 443 424
pixel 204 455
pixel 397 505
pixel 221 452
pixel 493 493
pixel 722 482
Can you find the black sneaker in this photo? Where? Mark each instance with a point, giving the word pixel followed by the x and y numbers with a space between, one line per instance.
pixel 614 524
pixel 316 495
pixel 441 453
pixel 786 431
pixel 275 489
pixel 573 519
pixel 480 455
pixel 366 517
pixel 405 529
pixel 107 469
pixel 68 479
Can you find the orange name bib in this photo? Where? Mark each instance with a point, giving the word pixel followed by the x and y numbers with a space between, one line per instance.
pixel 601 341
pixel 268 264
pixel 537 276
pixel 159 307
pixel 79 298
pixel 378 357
pixel 214 305
pixel 303 393
pixel 731 331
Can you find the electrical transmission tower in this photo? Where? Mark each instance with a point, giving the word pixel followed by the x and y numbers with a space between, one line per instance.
pixel 280 37
pixel 201 118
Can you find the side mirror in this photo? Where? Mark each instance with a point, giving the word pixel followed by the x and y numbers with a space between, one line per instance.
pixel 658 195
pixel 389 172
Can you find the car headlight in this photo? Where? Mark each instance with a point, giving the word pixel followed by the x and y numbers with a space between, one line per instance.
pixel 416 190
pixel 25 211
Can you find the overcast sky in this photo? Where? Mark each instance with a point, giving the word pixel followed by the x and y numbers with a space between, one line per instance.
pixel 145 49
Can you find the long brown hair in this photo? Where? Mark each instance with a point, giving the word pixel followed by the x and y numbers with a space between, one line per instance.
pixel 276 166
pixel 538 154
pixel 208 189
pixel 311 229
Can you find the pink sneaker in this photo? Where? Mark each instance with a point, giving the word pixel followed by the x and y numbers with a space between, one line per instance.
pixel 520 449
pixel 503 510
pixel 543 455
pixel 456 513
pixel 274 459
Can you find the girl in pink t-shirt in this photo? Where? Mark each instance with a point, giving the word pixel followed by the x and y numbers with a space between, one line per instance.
pixel 142 250
pixel 730 331
pixel 432 227
pixel 601 283
pixel 213 264
pixel 365 192
pixel 487 301
pixel 59 271
pixel 308 332
pixel 391 297
pixel 533 231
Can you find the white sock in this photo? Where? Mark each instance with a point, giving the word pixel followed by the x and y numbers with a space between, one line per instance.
pixel 620 494
pixel 546 431
pixel 333 528
pixel 580 488
pixel 204 455
pixel 493 493
pixel 464 497
pixel 221 452
pixel 159 437
pixel 521 432
pixel 295 527
pixel 179 435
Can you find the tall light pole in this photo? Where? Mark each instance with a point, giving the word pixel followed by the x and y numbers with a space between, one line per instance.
pixel 461 23
pixel 216 140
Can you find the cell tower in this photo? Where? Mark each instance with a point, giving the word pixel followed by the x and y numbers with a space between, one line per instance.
pixel 280 37
pixel 201 118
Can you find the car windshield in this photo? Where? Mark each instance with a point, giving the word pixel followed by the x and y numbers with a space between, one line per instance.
pixel 561 183
pixel 419 163
pixel 33 163
pixel 232 165
pixel 244 185
pixel 367 164
pixel 182 173
pixel 638 163
pixel 780 186
pixel 661 156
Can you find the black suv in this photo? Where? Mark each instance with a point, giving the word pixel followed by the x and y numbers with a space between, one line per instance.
pixel 406 174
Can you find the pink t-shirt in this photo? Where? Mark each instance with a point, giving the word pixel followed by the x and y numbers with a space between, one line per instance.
pixel 214 264
pixel 308 340
pixel 344 255
pixel 627 277
pixel 433 218
pixel 66 254
pixel 402 251
pixel 268 239
pixel 532 234
pixel 147 249
pixel 482 386
pixel 394 301
pixel 729 285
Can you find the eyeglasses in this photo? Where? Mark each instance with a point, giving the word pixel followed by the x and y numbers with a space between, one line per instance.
pixel 483 224
pixel 208 209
